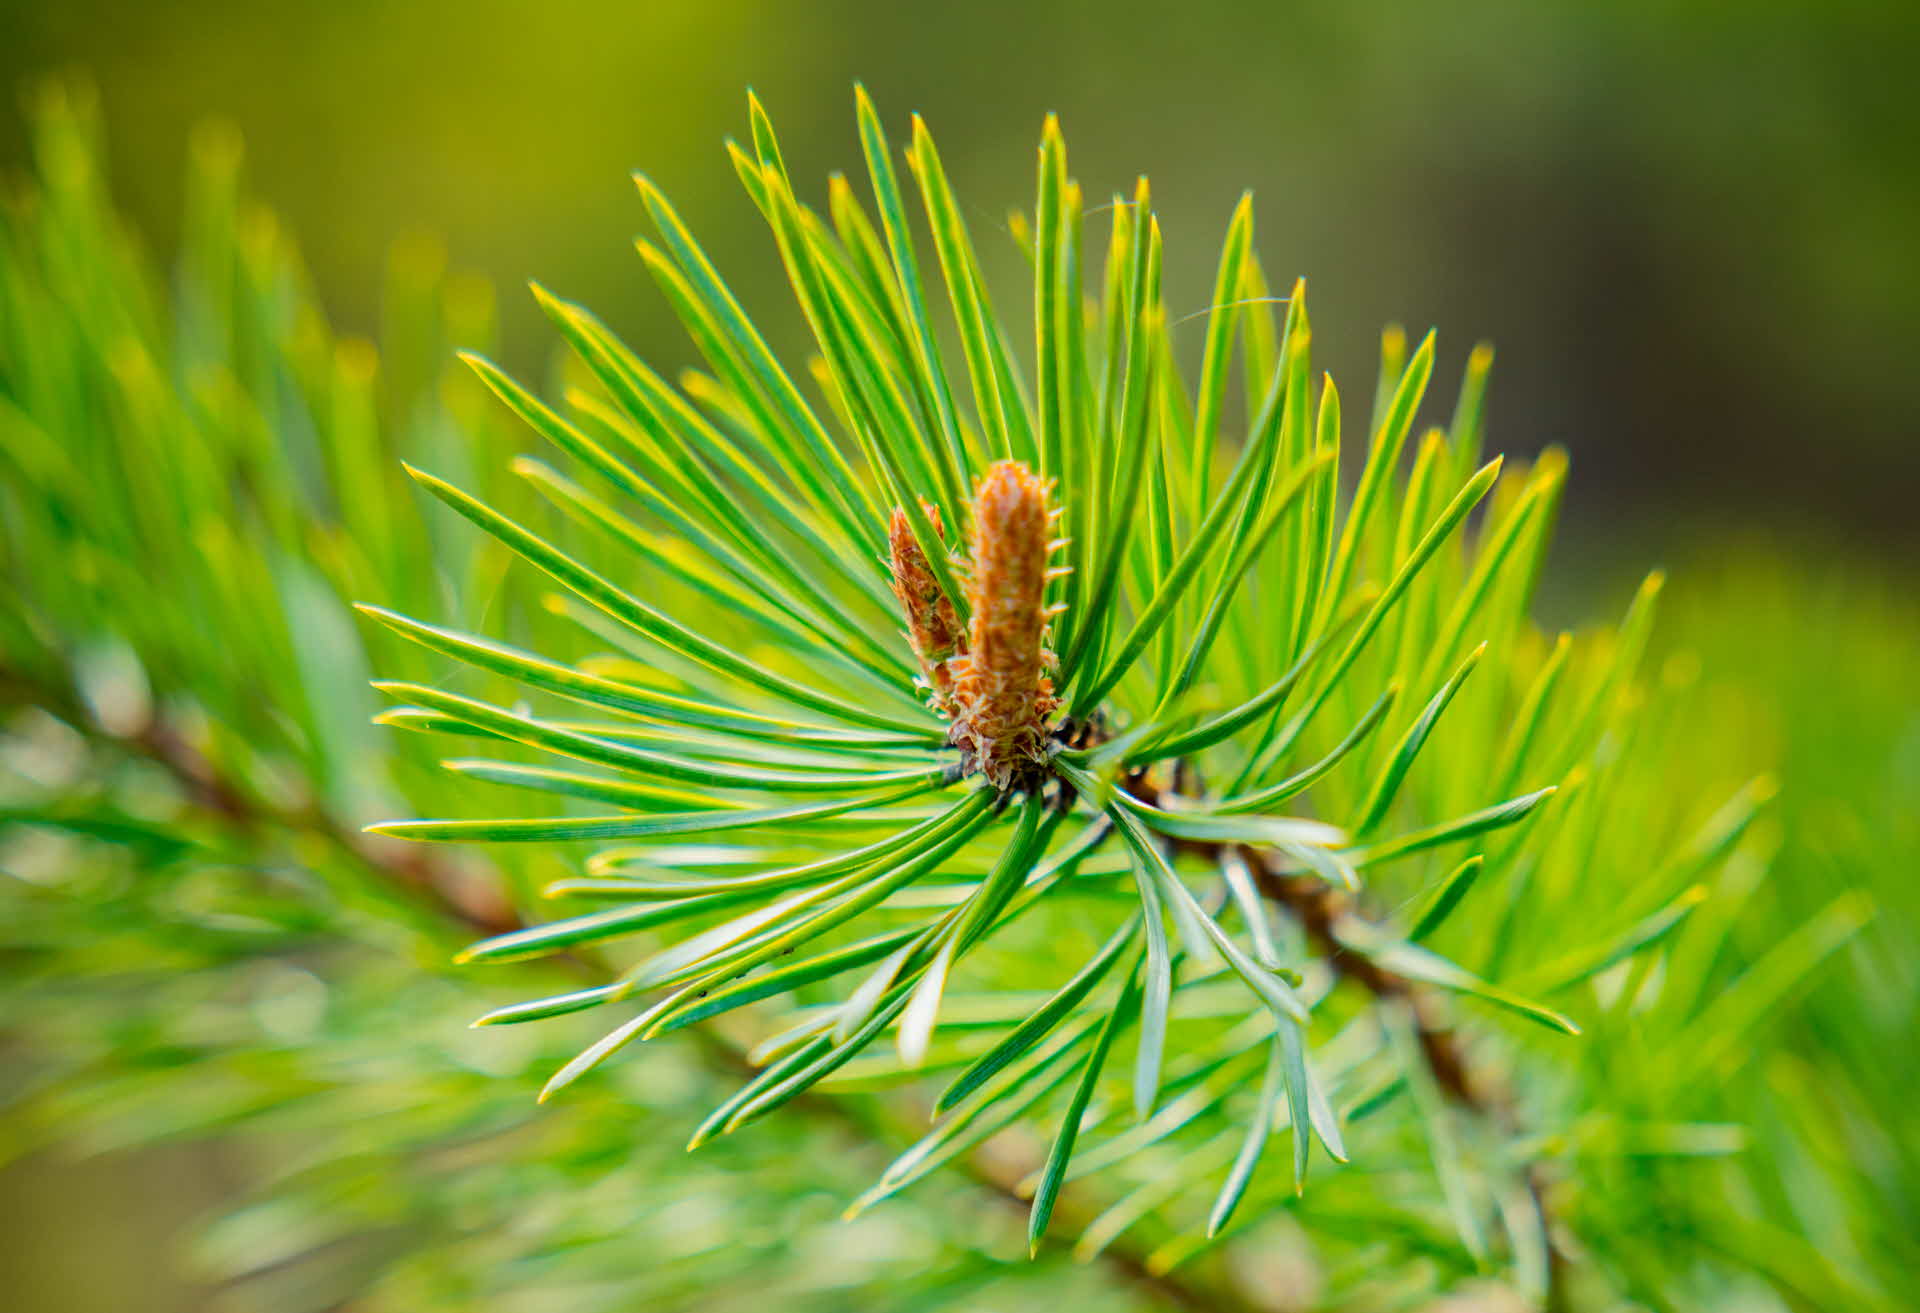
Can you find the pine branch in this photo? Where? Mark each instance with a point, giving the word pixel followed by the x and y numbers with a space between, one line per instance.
pixel 1109 603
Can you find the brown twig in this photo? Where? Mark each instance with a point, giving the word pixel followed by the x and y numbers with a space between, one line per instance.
pixel 1317 907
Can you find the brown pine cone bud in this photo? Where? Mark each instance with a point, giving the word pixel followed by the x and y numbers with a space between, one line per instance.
pixel 1002 693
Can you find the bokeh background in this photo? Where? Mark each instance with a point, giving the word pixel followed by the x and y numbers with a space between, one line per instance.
pixel 1692 229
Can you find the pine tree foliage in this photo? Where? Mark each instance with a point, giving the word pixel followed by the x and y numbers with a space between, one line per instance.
pixel 1291 835
pixel 981 717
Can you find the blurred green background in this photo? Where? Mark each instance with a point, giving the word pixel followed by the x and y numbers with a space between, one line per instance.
pixel 1693 231
pixel 1689 227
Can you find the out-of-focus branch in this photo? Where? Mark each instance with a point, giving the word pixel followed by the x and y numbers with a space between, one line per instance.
pixel 470 904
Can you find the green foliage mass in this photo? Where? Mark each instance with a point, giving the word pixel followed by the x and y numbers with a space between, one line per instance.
pixel 1489 927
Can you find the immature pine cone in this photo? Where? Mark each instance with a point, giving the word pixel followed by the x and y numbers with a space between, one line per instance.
pixel 1002 694
pixel 991 681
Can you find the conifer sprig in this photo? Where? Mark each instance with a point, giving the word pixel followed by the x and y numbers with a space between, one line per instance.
pixel 936 653
pixel 195 472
